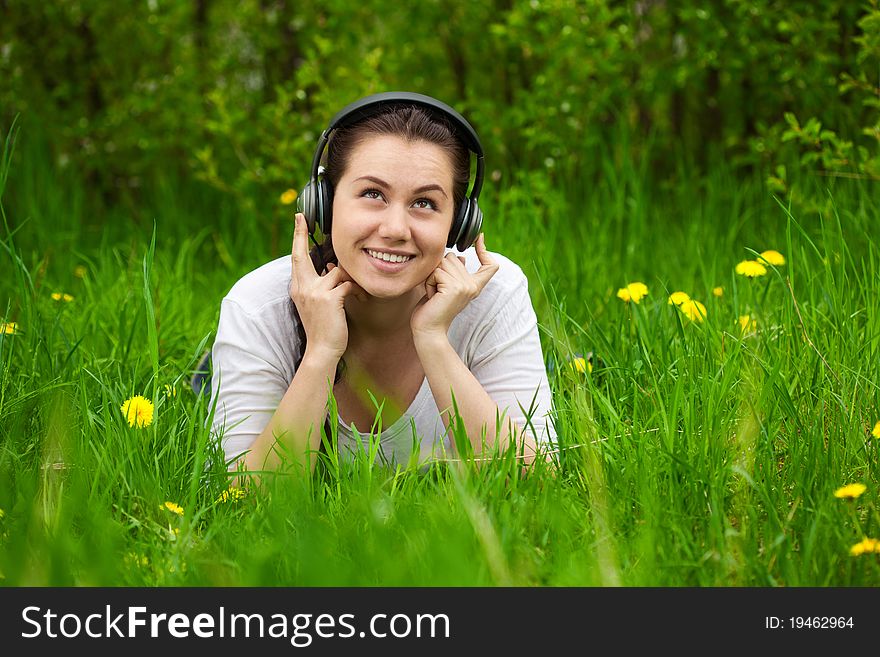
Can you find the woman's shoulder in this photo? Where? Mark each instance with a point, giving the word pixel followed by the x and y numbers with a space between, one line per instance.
pixel 263 287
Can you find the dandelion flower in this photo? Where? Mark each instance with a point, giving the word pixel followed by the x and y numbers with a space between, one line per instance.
pixel 695 311
pixel 58 296
pixel 170 390
pixel 876 430
pixel 751 268
pixel 232 494
pixel 678 298
pixel 79 271
pixel 718 291
pixel 133 559
pixel 850 491
pixel 773 258
pixel 8 327
pixel 747 324
pixel 174 508
pixel 864 546
pixel 288 197
pixel 632 292
pixel 580 364
pixel 138 410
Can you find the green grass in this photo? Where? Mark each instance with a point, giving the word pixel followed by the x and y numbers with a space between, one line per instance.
pixel 693 455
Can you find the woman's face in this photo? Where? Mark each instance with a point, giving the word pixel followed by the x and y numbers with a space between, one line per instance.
pixel 394 199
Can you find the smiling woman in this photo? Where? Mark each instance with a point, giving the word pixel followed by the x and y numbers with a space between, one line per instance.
pixel 382 314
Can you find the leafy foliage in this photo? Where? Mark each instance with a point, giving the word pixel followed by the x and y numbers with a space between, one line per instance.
pixel 235 93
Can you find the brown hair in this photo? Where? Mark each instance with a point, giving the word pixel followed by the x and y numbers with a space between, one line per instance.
pixel 410 122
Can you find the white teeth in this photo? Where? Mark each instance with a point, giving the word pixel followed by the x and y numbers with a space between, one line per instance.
pixel 387 257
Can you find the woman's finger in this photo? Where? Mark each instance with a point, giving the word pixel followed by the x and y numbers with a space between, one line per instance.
pixel 458 282
pixel 350 289
pixel 344 275
pixel 357 291
pixel 453 264
pixel 482 252
pixel 301 263
pixel 488 266
pixel 431 285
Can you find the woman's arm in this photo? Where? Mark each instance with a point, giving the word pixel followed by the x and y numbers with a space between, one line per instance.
pixel 293 434
pixel 448 375
pixel 504 365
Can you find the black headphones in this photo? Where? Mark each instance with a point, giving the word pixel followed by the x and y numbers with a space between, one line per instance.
pixel 316 199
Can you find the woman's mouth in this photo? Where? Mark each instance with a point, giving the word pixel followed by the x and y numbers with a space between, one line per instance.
pixel 387 262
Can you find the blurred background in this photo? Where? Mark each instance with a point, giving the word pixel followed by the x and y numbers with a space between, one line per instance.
pixel 129 103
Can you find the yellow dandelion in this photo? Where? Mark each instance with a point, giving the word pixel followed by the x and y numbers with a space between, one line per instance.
pixel 138 410
pixel 773 258
pixel 288 197
pixel 79 271
pixel 580 364
pixel 678 298
pixel 133 559
pixel 633 292
pixel 8 327
pixel 866 545
pixel 751 268
pixel 170 390
pixel 173 569
pixel 718 291
pixel 850 491
pixel 58 296
pixel 876 430
pixel 747 324
pixel 174 508
pixel 232 494
pixel 694 310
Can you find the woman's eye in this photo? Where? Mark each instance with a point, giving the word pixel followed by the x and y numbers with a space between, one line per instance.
pixel 429 204
pixel 372 193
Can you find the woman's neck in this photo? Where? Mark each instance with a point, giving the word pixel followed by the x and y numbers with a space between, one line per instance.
pixel 384 321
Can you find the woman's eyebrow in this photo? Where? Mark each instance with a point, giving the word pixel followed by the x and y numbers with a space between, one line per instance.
pixel 420 190
pixel 429 188
pixel 373 179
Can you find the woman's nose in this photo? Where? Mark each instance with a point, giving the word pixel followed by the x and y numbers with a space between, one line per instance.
pixel 395 223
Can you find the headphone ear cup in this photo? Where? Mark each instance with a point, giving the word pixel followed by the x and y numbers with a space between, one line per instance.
pixel 471 229
pixel 325 201
pixel 306 204
pixel 467 225
pixel 458 223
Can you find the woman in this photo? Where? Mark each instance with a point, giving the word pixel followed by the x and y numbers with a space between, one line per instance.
pixel 382 314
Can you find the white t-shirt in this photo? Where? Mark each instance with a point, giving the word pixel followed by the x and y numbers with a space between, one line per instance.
pixel 495 335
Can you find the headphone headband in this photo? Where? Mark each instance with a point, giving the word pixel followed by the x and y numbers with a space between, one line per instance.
pixel 373 105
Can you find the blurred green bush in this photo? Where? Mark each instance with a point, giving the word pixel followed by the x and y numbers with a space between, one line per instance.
pixel 235 93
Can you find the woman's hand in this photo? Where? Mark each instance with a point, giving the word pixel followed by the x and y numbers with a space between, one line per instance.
pixel 448 290
pixel 319 299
